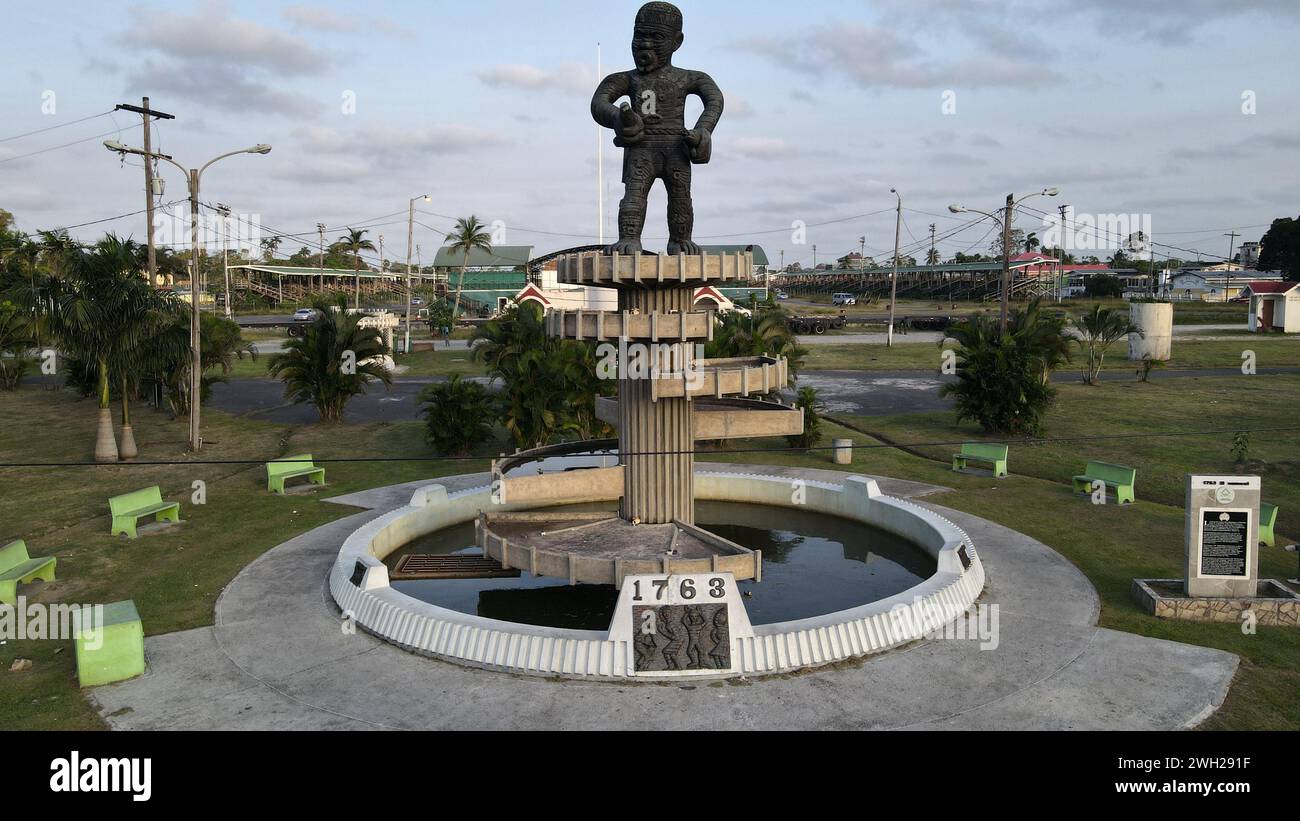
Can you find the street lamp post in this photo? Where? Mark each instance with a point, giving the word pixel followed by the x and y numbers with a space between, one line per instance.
pixel 1006 220
pixel 893 281
pixel 410 236
pixel 193 176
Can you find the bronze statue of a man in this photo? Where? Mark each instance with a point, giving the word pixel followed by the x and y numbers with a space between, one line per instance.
pixel 652 131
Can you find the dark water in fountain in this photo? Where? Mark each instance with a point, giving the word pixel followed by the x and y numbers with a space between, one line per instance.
pixel 812 564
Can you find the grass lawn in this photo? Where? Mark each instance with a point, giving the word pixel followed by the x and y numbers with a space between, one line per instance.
pixel 176 576
pixel 1270 352
pixel 1113 545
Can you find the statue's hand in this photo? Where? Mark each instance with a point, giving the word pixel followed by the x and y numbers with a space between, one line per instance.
pixel 631 128
pixel 699 143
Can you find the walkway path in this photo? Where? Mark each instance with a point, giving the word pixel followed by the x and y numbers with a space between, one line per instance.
pixel 277 659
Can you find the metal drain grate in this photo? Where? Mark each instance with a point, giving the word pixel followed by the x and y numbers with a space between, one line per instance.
pixel 454 566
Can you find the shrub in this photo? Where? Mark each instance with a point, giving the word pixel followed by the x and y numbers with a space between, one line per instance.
pixel 807 400
pixel 457 416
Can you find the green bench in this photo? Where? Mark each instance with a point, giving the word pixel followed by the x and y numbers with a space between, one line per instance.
pixel 996 455
pixel 112 650
pixel 16 567
pixel 1119 477
pixel 137 504
pixel 1267 518
pixel 291 467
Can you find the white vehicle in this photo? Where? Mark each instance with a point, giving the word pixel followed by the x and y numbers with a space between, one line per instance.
pixel 843 299
pixel 304 315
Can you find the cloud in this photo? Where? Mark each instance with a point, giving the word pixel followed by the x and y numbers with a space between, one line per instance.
pixel 571 77
pixel 736 108
pixel 213 35
pixel 877 57
pixel 394 145
pixel 214 57
pixel 1250 146
pixel 328 21
pixel 759 148
pixel 223 87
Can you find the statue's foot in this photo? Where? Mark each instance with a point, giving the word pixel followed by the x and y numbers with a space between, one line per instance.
pixel 625 246
pixel 683 247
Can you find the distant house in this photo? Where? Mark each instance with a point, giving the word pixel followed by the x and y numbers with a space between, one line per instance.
pixel 1274 306
pixel 1215 283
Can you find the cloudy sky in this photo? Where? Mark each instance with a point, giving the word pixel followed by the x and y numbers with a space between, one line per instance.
pixel 1186 110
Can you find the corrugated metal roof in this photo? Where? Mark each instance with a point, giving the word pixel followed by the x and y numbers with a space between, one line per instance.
pixel 502 256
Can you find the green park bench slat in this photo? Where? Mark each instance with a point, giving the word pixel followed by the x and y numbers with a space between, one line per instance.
pixel 17 567
pixel 982 452
pixel 129 507
pixel 1120 477
pixel 111 651
pixel 1267 519
pixel 291 467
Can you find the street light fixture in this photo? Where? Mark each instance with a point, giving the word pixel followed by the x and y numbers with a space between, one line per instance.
pixel 193 177
pixel 1005 221
pixel 410 235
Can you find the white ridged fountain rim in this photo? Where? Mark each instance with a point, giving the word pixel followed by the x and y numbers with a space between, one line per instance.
pixel 360 586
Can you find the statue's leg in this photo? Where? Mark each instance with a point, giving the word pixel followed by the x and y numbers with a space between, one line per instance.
pixel 638 176
pixel 681 212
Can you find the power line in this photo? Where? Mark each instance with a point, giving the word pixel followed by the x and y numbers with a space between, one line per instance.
pixel 1043 440
pixel 52 127
pixel 67 145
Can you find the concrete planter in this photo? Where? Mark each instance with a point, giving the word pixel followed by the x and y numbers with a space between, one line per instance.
pixel 1156 319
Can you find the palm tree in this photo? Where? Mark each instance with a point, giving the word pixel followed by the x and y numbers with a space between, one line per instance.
pixel 467 235
pixel 1002 377
pixel 548 384
pixel 269 247
pixel 932 256
pixel 1097 330
pixel 332 361
pixel 1031 241
pixel 101 312
pixel 354 242
pixel 765 331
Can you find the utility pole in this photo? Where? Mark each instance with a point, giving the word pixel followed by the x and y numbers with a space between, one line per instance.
pixel 814 257
pixel 893 284
pixel 410 237
pixel 1006 262
pixel 320 258
pixel 1232 242
pixel 224 212
pixel 1060 255
pixel 862 261
pixel 783 260
pixel 145 113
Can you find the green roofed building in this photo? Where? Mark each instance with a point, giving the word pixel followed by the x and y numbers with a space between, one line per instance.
pixel 501 258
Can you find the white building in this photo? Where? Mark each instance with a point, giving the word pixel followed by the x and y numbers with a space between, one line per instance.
pixel 1274 306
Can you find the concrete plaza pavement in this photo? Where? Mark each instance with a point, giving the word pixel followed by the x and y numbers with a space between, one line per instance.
pixel 277 658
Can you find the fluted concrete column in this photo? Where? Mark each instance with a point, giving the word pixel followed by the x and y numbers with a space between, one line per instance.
pixel 655 437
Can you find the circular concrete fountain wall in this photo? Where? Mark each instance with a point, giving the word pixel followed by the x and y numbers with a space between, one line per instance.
pixel 360 586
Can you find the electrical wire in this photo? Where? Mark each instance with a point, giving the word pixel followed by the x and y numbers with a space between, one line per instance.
pixel 67 145
pixel 52 127
pixel 1043 440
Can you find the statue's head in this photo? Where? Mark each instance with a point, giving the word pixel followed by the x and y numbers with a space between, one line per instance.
pixel 656 35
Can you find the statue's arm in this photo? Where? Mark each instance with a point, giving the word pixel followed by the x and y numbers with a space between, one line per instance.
pixel 610 89
pixel 711 95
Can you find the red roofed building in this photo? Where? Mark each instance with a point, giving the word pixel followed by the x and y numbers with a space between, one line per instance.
pixel 1274 306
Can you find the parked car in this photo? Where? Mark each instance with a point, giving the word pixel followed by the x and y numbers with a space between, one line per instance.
pixel 782 295
pixel 417 300
pixel 843 299
pixel 304 315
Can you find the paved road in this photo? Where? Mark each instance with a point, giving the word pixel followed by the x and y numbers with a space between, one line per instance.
pixel 857 393
pixel 933 337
